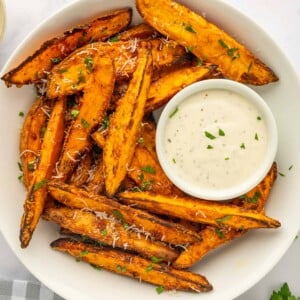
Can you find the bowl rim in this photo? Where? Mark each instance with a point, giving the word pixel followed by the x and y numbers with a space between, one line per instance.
pixel 247 93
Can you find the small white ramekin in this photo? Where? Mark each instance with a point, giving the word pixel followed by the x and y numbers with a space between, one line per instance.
pixel 259 173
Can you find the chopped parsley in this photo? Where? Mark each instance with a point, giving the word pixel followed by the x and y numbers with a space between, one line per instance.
pixel 223 219
pixel 209 147
pixel 159 289
pixel 114 39
pixel 253 199
pixel 43 131
pixel 283 294
pixel 21 114
pixel 88 61
pixel 81 77
pixel 189 49
pixel 250 67
pixel 209 135
pixel 74 113
pixel 83 253
pixel 221 132
pixel 30 167
pixel 56 60
pixel 256 137
pixel 281 174
pixel 148 169
pixel 219 233
pixel 242 146
pixel 190 29
pixel 63 70
pixel 84 123
pixel 104 232
pixel 226 158
pixel 199 62
pixel 40 184
pixel 140 140
pixel 258 118
pixel 156 260
pixel 96 267
pixel 105 123
pixel 121 268
pixel 174 160
pixel 20 166
pixel 290 167
pixel 173 113
pixel 232 52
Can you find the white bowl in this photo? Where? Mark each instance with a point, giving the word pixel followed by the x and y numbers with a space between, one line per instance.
pixel 247 160
pixel 234 262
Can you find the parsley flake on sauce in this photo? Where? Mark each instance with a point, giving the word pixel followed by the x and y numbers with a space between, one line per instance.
pixel 173 113
pixel 221 132
pixel 209 135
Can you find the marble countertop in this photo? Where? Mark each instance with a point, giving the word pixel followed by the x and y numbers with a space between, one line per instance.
pixel 281 19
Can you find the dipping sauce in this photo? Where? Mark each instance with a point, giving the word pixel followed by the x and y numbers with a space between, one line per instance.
pixel 215 139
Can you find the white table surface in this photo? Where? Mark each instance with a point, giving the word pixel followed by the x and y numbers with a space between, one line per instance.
pixel 281 19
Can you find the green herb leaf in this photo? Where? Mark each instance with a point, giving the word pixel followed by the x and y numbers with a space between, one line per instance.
pixel 63 70
pixel 219 233
pixel 221 132
pixel 256 137
pixel 253 199
pixel 105 123
pixel 281 174
pixel 209 147
pixel 114 39
pixel 209 135
pixel 30 167
pixel 83 253
pixel 173 113
pixel 96 267
pixel 88 61
pixel 21 114
pixel 226 158
pixel 242 146
pixel 283 294
pixel 118 214
pixel 223 44
pixel 121 268
pixel 140 140
pixel 84 123
pixel 156 260
pixel 104 232
pixel 223 219
pixel 159 289
pixel 199 62
pixel 290 167
pixel 56 60
pixel 146 185
pixel 40 184
pixel 20 166
pixel 43 131
pixel 189 49
pixel 258 118
pixel 148 169
pixel 174 160
pixel 190 29
pixel 149 267
pixel 74 113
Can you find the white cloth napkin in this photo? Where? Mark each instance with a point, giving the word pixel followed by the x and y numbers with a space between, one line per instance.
pixel 25 290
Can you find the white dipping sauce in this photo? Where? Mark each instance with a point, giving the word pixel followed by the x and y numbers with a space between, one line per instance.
pixel 215 139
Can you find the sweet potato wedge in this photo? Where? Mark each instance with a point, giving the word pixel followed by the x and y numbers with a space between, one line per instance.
pixel 37 193
pixel 147 173
pixel 31 138
pixel 141 31
pixel 81 174
pixel 167 86
pixel 97 91
pixel 125 123
pixel 36 67
pixel 134 266
pixel 96 183
pixel 207 41
pixel 109 230
pixel 157 228
pixel 213 237
pixel 200 211
pixel 65 77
